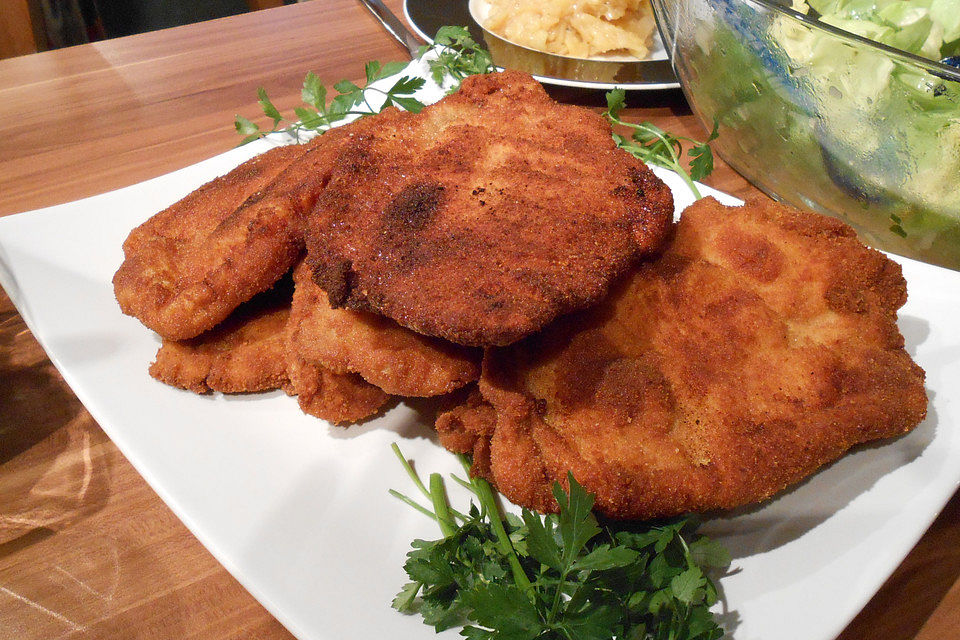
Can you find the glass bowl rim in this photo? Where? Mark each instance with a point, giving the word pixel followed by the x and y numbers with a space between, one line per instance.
pixel 936 68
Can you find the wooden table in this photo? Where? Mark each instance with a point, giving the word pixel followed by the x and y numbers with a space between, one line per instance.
pixel 87 549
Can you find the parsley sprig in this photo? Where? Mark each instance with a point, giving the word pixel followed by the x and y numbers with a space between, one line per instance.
pixel 318 116
pixel 555 577
pixel 458 56
pixel 653 145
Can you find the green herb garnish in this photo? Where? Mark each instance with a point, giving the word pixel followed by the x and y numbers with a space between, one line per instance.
pixel 318 116
pixel 458 56
pixel 554 577
pixel 653 145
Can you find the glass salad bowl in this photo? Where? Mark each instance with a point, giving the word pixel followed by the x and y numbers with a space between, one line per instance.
pixel 826 119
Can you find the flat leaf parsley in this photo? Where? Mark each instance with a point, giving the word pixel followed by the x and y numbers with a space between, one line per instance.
pixel 457 56
pixel 653 145
pixel 555 577
pixel 318 116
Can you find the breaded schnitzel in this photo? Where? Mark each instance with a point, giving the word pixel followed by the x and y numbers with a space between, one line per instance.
pixel 249 351
pixel 385 354
pixel 189 266
pixel 246 352
pixel 760 346
pixel 335 396
pixel 484 216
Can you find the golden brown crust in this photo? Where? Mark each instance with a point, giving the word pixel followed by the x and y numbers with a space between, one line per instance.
pixel 760 346
pixel 247 352
pixel 463 426
pixel 382 352
pixel 250 351
pixel 336 396
pixel 484 216
pixel 189 266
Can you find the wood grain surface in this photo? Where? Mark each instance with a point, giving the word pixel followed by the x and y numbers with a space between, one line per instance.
pixel 87 549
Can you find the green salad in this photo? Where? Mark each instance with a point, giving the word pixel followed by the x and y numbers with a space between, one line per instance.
pixel 860 133
pixel 928 28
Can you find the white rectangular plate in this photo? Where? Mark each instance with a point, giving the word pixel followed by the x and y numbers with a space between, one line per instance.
pixel 298 510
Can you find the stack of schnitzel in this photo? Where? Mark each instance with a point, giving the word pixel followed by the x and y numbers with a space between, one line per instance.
pixel 416 240
pixel 500 238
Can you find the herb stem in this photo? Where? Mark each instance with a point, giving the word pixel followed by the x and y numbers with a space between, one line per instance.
pixel 440 505
pixel 412 503
pixel 673 163
pixel 653 145
pixel 450 511
pixel 466 484
pixel 488 502
pixel 555 607
pixel 690 183
pixel 409 469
